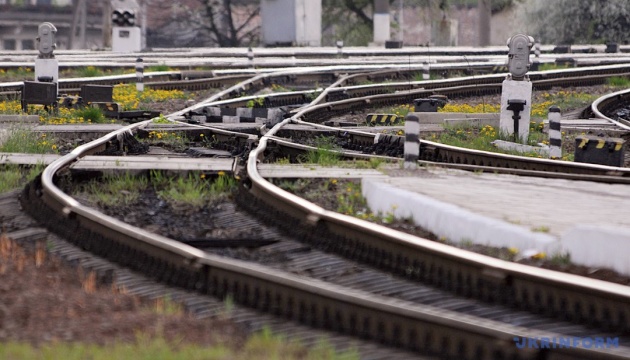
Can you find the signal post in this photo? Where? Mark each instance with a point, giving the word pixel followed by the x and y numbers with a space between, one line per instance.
pixel 126 34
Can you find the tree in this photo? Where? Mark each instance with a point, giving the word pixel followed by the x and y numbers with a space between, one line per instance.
pixel 583 21
pixel 351 20
pixel 205 23
pixel 229 22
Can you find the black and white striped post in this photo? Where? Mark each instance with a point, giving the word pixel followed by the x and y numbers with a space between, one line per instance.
pixel 339 48
pixel 139 74
pixel 537 50
pixel 426 73
pixel 555 133
pixel 250 56
pixel 412 141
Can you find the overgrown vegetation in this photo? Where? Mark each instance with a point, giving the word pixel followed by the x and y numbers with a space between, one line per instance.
pixel 195 190
pixel 262 345
pixel 14 176
pixel 323 154
pixel 21 140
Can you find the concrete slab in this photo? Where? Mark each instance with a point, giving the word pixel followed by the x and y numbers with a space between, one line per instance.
pixel 19 119
pixel 439 117
pixel 290 171
pixel 548 215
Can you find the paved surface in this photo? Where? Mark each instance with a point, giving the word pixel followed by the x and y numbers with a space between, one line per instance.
pixel 590 221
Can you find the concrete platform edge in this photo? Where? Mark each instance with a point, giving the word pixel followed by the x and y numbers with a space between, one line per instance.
pixel 598 246
pixel 453 222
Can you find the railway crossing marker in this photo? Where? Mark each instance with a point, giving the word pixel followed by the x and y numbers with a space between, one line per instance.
pixel 516 93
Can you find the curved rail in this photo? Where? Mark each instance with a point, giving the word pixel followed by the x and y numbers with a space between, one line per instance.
pixel 403 323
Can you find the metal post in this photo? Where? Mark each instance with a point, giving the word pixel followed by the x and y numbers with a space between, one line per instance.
pixel 339 48
pixel 426 72
pixel 250 57
pixel 139 74
pixel 412 141
pixel 555 133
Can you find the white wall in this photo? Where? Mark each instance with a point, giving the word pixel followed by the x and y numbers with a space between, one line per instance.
pixel 291 21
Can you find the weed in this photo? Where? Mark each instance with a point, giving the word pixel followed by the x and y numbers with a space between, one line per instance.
pixel 283 161
pixel 166 306
pixel 617 81
pixel 466 243
pixel 228 306
pixel 323 155
pixel 173 140
pixel 542 229
pixel 279 88
pixel 20 140
pixel 159 67
pixel 552 66
pixel 130 98
pixel 161 120
pixel 89 71
pixel 194 190
pixel 561 259
pixel 116 189
pixel 258 102
pixel 90 114
pixel 402 110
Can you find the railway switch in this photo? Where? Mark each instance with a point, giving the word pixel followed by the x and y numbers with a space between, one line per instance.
pixel 520 46
pixel 516 106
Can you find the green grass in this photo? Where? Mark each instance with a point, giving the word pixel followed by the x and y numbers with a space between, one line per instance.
pixel 116 189
pixel 262 345
pixel 13 176
pixel 160 67
pixel 89 71
pixel 93 114
pixel 552 66
pixel 19 74
pixel 194 190
pixel 617 81
pixel 323 154
pixel 21 140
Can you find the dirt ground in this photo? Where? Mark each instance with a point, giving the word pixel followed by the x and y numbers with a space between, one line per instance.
pixel 44 300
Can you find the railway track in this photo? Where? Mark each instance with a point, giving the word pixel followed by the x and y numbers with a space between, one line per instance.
pixel 328 305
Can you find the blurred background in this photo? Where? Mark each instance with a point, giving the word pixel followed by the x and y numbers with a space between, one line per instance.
pixel 87 24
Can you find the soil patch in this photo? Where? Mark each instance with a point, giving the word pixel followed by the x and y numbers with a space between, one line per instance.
pixel 43 300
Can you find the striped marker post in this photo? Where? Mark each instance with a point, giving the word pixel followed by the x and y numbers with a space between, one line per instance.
pixel 139 74
pixel 339 48
pixel 426 74
pixel 555 134
pixel 412 141
pixel 537 50
pixel 250 56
